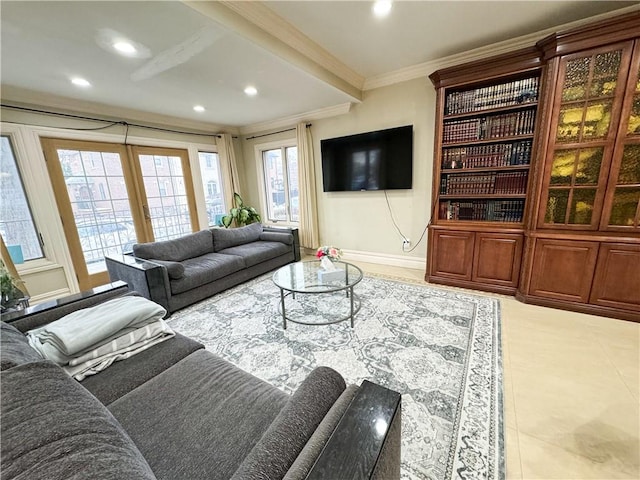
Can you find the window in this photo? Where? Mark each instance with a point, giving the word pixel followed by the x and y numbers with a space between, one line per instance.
pixel 213 186
pixel 280 167
pixel 16 222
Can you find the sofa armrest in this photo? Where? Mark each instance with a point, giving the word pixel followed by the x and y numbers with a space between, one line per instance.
pixel 149 279
pixel 366 442
pixel 296 238
pixel 50 311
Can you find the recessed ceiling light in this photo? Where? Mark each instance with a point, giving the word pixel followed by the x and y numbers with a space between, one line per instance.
pixel 199 108
pixel 125 48
pixel 381 8
pixel 81 82
pixel 251 91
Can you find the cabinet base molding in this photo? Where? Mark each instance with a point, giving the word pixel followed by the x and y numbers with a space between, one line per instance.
pixel 579 307
pixel 500 289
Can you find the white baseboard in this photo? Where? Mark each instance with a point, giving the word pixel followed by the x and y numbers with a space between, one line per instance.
pixel 385 259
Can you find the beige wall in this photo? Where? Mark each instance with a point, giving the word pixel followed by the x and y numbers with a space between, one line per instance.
pixel 360 221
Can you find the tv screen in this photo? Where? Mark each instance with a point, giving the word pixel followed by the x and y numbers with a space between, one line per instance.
pixel 381 160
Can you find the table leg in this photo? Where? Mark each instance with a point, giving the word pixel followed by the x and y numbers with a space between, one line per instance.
pixel 351 306
pixel 284 316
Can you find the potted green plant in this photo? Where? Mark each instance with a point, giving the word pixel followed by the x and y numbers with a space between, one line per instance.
pixel 10 294
pixel 240 214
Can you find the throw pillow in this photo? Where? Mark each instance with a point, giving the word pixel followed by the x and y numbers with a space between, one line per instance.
pixel 174 269
pixel 232 237
pixel 281 237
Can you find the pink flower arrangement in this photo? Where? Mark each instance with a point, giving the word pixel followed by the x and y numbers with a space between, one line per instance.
pixel 332 252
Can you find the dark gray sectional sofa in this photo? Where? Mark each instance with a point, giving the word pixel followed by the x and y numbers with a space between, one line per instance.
pixel 179 412
pixel 180 272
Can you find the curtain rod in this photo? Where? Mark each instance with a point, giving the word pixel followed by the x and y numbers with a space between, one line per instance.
pixel 274 133
pixel 110 122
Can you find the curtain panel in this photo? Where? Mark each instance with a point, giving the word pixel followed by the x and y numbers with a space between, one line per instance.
pixel 229 168
pixel 308 229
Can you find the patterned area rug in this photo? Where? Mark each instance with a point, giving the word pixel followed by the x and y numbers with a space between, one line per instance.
pixel 439 348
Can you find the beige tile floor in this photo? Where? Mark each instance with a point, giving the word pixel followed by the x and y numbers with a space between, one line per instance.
pixel 572 407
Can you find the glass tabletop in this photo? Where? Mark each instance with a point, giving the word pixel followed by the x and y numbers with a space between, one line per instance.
pixel 310 277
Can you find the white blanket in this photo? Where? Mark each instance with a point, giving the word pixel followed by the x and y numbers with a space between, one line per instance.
pixel 119 348
pixel 84 330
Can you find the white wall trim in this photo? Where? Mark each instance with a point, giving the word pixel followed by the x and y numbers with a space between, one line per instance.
pixel 417 263
pixel 289 121
pixel 427 68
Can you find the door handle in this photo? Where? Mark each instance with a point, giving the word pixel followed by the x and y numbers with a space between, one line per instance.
pixel 145 210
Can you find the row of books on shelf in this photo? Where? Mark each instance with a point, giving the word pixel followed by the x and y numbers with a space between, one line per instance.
pixel 493 126
pixel 507 94
pixel 492 155
pixel 485 183
pixel 483 210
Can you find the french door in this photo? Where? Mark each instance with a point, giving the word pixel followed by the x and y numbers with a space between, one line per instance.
pixel 110 196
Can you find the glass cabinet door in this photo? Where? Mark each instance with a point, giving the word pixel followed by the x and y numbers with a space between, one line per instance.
pixel 622 206
pixel 584 125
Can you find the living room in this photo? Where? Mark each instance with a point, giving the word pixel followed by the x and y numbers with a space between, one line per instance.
pixel 360 223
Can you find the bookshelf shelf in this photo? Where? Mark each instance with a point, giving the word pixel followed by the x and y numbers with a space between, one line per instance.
pixel 486 141
pixel 494 196
pixel 486 169
pixel 489 111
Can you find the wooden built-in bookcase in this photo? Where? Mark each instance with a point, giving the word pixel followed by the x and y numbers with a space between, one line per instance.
pixel 537 172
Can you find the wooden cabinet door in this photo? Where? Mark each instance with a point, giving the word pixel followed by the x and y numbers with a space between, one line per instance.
pixel 452 254
pixel 563 269
pixel 496 258
pixel 617 278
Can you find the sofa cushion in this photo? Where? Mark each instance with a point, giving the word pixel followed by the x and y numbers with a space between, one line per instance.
pixel 204 269
pixel 178 249
pixel 122 377
pixel 53 428
pixel 14 348
pixel 231 237
pixel 276 451
pixel 211 412
pixel 175 270
pixel 282 237
pixel 258 252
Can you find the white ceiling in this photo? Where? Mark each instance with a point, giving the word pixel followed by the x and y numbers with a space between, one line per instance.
pixel 206 52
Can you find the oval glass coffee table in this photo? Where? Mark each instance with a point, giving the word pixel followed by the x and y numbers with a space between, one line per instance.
pixel 308 278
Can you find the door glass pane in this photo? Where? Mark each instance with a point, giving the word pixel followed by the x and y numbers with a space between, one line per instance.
pixel 597 118
pixel 630 165
pixel 98 195
pixel 292 177
pixel 582 206
pixel 588 167
pixel 213 187
pixel 166 195
pixel 557 206
pixel 575 79
pixel 563 166
pixel 274 184
pixel 569 123
pixel 605 73
pixel 625 206
pixel 16 223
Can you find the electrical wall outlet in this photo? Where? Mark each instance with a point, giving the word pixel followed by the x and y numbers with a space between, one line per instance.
pixel 406 244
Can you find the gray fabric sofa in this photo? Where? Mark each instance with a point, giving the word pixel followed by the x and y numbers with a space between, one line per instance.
pixel 177 411
pixel 180 272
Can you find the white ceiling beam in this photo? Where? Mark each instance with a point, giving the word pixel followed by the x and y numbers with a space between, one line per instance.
pixel 260 25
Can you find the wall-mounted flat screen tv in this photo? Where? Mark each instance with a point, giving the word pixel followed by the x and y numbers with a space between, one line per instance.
pixel 381 160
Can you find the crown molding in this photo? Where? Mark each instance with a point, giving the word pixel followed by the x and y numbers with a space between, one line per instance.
pixel 266 19
pixel 17 96
pixel 426 68
pixel 225 14
pixel 285 122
